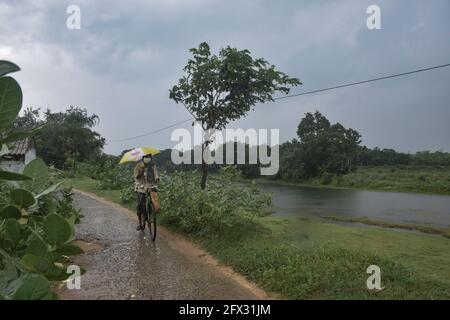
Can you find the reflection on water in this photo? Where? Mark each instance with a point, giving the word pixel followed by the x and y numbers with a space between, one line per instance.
pixel 390 206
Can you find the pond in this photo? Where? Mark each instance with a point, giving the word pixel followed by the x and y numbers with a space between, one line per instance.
pixel 425 209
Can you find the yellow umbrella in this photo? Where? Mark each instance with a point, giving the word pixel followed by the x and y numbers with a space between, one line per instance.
pixel 137 154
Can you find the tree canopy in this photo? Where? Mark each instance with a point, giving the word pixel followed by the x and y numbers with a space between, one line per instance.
pixel 321 148
pixel 217 89
pixel 66 138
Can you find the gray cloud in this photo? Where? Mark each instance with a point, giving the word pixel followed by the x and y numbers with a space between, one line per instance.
pixel 127 55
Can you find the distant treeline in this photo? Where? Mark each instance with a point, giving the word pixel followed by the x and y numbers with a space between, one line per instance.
pixel 321 149
pixel 390 157
pixel 365 158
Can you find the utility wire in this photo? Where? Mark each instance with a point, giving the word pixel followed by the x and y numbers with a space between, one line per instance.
pixel 301 94
pixel 364 81
pixel 153 132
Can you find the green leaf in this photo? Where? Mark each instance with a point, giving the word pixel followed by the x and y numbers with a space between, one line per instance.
pixel 69 250
pixel 32 287
pixel 12 176
pixel 37 247
pixel 59 273
pixel 49 189
pixel 12 287
pixel 11 211
pixel 12 230
pixel 22 197
pixel 37 170
pixel 72 220
pixel 34 263
pixel 7 67
pixel 57 229
pixel 56 273
pixel 10 101
pixel 9 272
pixel 9 261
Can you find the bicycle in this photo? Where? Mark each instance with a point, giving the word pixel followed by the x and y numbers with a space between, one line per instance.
pixel 150 215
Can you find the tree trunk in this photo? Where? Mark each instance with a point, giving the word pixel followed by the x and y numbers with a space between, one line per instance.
pixel 204 174
pixel 205 144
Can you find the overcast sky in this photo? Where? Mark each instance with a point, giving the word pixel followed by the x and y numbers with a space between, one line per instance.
pixel 128 54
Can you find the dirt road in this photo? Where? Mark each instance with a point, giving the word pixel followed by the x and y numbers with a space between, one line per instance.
pixel 122 263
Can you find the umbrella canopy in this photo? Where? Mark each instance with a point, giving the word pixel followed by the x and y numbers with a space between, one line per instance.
pixel 137 154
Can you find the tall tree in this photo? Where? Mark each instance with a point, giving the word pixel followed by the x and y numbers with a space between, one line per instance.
pixel 66 138
pixel 326 147
pixel 217 89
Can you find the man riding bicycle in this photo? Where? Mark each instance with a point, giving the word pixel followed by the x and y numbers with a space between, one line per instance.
pixel 145 177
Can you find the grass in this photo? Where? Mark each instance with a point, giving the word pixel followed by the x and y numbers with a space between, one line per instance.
pixel 393 225
pixel 431 180
pixel 307 259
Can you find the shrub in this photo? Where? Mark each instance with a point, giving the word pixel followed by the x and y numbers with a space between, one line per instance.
pixel 326 178
pixel 113 176
pixel 128 194
pixel 188 208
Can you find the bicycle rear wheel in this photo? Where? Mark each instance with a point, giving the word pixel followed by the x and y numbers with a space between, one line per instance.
pixel 151 222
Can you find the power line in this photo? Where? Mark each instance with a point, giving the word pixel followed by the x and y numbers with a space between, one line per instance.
pixel 153 132
pixel 301 94
pixel 364 81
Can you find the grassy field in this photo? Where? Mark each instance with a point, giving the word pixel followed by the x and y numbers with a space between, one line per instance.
pixel 308 259
pixel 445 232
pixel 402 179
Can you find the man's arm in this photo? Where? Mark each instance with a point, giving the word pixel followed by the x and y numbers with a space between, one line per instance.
pixel 138 171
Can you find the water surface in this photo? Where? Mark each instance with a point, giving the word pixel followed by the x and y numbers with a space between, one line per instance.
pixel 433 210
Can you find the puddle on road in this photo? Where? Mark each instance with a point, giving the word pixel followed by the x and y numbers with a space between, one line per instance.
pixel 87 246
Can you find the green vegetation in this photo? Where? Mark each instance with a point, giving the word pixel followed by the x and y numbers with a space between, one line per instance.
pixel 36 223
pixel 303 259
pixel 107 171
pixel 205 212
pixel 218 89
pixel 326 154
pixel 396 178
pixel 297 258
pixel 385 224
pixel 65 138
pixel 308 259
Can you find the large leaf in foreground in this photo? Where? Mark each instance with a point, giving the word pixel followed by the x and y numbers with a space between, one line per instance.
pixel 57 229
pixel 12 230
pixel 23 198
pixel 69 250
pixel 10 101
pixel 9 271
pixel 37 247
pixel 7 67
pixel 49 189
pixel 35 264
pixel 13 176
pixel 11 211
pixel 38 172
pixel 33 287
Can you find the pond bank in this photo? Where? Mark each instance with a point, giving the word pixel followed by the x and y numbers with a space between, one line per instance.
pixel 415 179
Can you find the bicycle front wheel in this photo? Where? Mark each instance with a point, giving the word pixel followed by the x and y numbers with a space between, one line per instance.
pixel 151 223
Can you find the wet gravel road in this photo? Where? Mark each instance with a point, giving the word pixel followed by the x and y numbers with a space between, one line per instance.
pixel 123 263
